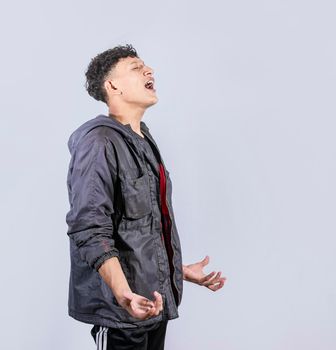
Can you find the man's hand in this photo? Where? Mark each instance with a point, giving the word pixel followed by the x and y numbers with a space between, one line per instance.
pixel 194 273
pixel 141 307
pixel 136 305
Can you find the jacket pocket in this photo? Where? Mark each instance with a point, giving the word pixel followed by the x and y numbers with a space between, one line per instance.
pixel 136 197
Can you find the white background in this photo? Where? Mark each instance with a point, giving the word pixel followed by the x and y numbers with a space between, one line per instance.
pixel 246 125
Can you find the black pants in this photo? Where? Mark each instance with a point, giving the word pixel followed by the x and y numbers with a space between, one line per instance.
pixel 150 337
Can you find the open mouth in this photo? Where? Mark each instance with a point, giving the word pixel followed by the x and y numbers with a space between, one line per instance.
pixel 150 85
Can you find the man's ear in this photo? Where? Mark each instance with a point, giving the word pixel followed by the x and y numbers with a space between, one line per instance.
pixel 111 88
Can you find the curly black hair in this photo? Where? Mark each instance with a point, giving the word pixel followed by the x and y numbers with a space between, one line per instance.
pixel 101 65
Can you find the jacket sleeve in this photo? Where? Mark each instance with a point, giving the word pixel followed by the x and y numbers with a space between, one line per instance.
pixel 91 192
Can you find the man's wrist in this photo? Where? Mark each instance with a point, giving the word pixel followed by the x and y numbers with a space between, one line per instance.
pixel 113 275
pixel 184 273
pixel 119 294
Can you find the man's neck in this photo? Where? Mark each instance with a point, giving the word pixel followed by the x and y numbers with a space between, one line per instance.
pixel 131 116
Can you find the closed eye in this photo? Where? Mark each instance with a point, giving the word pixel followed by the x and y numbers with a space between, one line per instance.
pixel 137 67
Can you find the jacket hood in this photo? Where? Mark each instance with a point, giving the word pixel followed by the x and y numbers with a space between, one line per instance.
pixel 101 120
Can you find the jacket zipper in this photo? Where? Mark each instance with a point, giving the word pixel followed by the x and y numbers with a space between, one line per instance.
pixel 169 212
pixel 171 236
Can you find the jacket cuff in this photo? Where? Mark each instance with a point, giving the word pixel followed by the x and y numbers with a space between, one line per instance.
pixel 104 257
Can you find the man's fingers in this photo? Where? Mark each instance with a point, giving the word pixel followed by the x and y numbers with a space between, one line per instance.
pixel 146 302
pixel 144 308
pixel 212 279
pixel 205 261
pixel 158 296
pixel 158 299
pixel 151 312
pixel 150 308
pixel 207 277
pixel 158 302
pixel 146 305
pixel 218 285
pixel 143 312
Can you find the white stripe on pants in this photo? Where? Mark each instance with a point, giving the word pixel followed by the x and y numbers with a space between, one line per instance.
pixel 101 338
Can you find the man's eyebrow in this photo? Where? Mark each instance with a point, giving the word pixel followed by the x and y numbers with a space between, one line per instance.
pixel 136 62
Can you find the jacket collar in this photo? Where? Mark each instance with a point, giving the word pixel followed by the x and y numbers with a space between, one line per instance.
pixel 111 122
pixel 127 127
pixel 143 126
pixel 106 120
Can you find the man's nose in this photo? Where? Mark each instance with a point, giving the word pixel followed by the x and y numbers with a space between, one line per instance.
pixel 148 71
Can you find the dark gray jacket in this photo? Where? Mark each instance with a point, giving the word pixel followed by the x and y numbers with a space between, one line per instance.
pixel 115 211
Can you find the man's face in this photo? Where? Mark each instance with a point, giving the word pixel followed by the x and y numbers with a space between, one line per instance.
pixel 135 80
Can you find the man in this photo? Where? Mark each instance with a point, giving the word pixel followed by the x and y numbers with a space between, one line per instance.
pixel 126 265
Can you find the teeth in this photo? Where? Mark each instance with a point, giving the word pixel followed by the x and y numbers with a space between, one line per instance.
pixel 149 84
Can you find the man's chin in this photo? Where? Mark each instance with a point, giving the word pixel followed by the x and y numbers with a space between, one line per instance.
pixel 145 103
pixel 152 102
